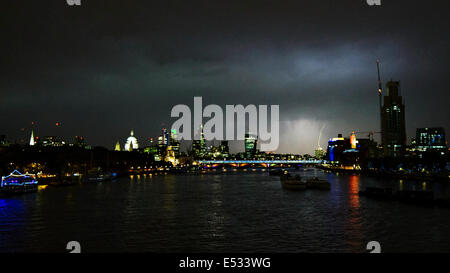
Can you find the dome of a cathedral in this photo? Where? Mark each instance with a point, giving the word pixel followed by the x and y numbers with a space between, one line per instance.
pixel 132 143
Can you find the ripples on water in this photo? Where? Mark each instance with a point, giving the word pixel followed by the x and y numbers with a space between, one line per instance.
pixel 232 212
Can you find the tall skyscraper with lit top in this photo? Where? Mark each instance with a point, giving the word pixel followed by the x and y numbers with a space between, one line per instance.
pixel 393 125
pixel 199 145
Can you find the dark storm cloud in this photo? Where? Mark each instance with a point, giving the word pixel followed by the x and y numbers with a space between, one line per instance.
pixel 109 66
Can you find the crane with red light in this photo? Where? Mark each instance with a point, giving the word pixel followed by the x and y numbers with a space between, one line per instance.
pixel 368 134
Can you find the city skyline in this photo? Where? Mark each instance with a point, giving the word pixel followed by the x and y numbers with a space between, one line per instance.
pixel 238 145
pixel 125 70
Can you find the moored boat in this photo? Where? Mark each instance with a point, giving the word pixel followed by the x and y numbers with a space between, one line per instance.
pixel 319 184
pixel 65 181
pixel 102 177
pixel 293 183
pixel 17 183
pixel 97 175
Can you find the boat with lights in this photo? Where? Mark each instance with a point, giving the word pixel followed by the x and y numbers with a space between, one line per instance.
pixel 17 183
pixel 97 175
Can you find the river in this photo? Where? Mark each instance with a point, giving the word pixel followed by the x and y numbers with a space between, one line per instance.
pixel 228 212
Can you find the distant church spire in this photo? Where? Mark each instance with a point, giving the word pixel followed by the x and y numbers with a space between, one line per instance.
pixel 32 139
pixel 117 148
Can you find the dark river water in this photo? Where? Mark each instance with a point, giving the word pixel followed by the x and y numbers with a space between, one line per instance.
pixel 231 212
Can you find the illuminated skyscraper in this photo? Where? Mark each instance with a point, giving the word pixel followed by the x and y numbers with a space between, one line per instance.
pixel 430 139
pixel 336 148
pixel 251 142
pixel 165 137
pixel 319 153
pixel 174 143
pixel 393 121
pixel 199 145
pixel 340 151
pixel 132 143
pixel 224 149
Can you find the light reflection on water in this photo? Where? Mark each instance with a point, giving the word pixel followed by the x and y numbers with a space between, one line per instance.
pixel 232 212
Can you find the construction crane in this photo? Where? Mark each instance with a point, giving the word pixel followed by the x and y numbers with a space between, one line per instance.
pixel 380 95
pixel 368 134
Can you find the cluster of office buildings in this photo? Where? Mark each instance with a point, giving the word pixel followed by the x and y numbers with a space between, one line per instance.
pixel 352 150
pixel 167 148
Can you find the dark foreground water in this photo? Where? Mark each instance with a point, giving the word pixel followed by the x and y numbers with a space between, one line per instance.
pixel 232 212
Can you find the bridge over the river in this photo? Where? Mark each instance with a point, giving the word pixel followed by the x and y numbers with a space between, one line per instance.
pixel 265 163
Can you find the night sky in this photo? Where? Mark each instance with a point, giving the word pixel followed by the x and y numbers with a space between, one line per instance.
pixel 107 66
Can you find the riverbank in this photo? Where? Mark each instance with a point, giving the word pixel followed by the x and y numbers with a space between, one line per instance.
pixel 387 174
